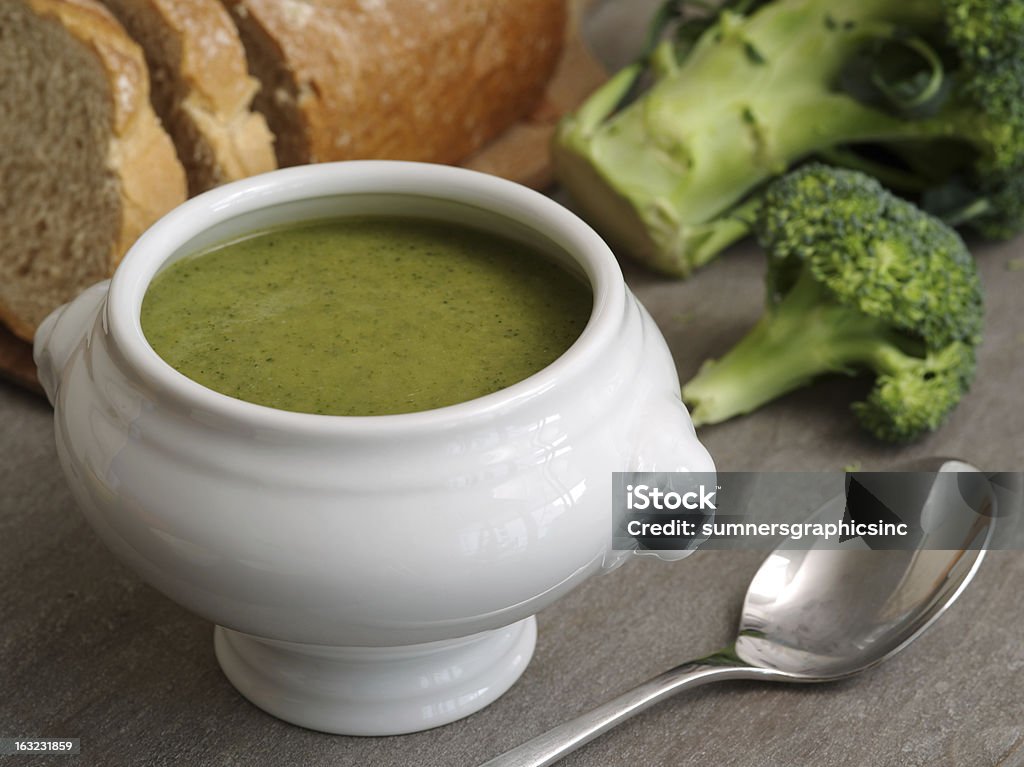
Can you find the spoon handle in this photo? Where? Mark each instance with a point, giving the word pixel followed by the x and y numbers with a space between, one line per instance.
pixel 552 745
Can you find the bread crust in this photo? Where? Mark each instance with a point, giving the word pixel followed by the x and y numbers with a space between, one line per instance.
pixel 141 156
pixel 213 64
pixel 212 57
pixel 23 329
pixel 523 152
pixel 429 81
pixel 218 135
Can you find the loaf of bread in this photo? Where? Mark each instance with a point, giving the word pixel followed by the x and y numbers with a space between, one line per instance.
pixel 201 88
pixel 86 165
pixel 433 81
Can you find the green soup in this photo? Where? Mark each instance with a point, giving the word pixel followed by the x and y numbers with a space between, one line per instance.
pixel 364 316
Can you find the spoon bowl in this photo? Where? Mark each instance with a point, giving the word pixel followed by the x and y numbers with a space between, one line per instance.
pixel 840 612
pixel 822 614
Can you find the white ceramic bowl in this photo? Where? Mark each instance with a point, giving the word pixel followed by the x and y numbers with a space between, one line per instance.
pixel 371 575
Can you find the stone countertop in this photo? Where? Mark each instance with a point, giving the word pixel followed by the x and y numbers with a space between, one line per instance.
pixel 87 650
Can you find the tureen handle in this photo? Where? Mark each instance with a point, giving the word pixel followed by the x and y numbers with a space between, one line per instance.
pixel 664 441
pixel 61 333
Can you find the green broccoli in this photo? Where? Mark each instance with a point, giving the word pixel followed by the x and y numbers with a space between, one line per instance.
pixel 926 95
pixel 858 279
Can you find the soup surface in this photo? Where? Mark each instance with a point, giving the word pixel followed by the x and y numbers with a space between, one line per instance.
pixel 364 315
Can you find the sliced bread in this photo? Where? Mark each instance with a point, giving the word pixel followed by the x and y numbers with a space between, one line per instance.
pixel 433 81
pixel 86 166
pixel 201 87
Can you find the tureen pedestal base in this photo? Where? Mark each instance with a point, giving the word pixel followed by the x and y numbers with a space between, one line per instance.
pixel 376 690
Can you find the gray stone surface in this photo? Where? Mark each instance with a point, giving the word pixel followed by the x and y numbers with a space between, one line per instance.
pixel 89 651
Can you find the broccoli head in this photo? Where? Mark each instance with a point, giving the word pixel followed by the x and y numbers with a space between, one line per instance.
pixel 926 95
pixel 858 279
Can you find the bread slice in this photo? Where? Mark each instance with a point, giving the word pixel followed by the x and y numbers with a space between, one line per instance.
pixel 432 81
pixel 201 88
pixel 85 167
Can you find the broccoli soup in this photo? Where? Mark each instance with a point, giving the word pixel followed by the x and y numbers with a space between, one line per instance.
pixel 364 315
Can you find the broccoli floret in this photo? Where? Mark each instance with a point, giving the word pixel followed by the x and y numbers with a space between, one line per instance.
pixel 928 95
pixel 858 279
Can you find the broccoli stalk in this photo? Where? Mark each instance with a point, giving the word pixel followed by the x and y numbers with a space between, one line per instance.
pixel 673 177
pixel 806 334
pixel 858 280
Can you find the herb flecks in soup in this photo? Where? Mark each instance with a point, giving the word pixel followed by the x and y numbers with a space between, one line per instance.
pixel 364 316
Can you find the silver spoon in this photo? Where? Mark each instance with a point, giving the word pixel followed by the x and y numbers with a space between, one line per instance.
pixel 822 614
